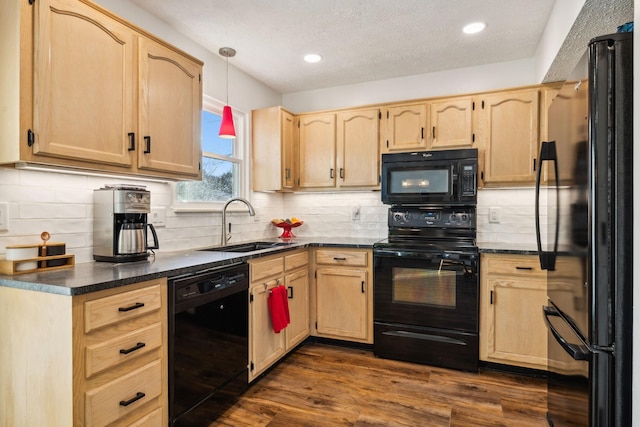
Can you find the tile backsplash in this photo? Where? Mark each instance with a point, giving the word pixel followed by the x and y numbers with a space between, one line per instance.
pixel 62 204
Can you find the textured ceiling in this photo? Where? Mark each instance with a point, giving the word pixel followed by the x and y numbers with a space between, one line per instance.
pixel 360 40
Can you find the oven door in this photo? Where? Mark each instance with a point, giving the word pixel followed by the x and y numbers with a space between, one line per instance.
pixel 437 290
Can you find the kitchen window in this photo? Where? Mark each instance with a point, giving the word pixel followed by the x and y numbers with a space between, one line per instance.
pixel 224 167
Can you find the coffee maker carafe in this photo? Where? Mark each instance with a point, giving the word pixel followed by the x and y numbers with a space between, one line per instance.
pixel 120 224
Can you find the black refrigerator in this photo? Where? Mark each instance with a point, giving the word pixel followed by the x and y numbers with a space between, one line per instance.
pixel 584 225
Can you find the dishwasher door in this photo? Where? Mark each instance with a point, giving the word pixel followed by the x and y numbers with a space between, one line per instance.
pixel 208 343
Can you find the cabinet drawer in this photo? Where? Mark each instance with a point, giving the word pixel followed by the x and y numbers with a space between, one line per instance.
pixel 525 265
pixel 337 257
pixel 296 260
pixel 112 401
pixel 121 307
pixel 267 268
pixel 125 347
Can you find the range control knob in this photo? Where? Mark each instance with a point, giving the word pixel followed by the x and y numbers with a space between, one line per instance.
pixel 453 217
pixel 464 217
pixel 397 217
pixel 407 217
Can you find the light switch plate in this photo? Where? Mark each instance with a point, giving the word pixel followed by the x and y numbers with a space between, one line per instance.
pixel 158 216
pixel 4 216
pixel 494 215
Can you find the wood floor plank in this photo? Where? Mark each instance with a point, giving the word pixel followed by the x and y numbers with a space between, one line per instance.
pixel 324 385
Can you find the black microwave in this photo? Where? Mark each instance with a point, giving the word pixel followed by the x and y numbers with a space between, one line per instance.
pixel 430 178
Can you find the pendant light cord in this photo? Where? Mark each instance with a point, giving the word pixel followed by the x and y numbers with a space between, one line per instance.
pixel 227 80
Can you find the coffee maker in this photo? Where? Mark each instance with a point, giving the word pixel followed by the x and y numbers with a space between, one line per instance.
pixel 120 223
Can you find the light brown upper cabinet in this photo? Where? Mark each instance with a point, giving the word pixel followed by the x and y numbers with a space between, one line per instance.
pixel 317 151
pixel 92 87
pixel 358 142
pixel 511 137
pixel 452 124
pixel 274 142
pixel 169 113
pixel 406 128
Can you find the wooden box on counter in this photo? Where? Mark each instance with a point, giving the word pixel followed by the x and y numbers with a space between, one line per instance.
pixel 49 257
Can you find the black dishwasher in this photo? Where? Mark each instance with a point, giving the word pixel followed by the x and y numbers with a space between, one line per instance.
pixel 208 343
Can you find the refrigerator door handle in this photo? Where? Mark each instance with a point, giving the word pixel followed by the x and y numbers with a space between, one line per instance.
pixel 547 153
pixel 577 352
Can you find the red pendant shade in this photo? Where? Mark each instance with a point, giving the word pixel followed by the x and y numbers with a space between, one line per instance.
pixel 227 129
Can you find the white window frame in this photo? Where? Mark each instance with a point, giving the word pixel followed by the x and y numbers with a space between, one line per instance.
pixel 241 122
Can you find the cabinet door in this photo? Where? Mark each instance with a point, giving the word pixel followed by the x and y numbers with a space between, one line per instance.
pixel 83 84
pixel 297 284
pixel 289 139
pixel 511 124
pixel 265 346
pixel 452 124
pixel 406 127
pixel 170 108
pixel 513 331
pixel 358 141
pixel 318 151
pixel 341 299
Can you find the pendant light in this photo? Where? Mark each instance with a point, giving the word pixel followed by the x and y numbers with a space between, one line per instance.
pixel 227 129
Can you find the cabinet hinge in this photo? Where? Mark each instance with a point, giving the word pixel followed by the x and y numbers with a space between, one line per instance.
pixel 483 104
pixel 251 364
pixel 316 325
pixel 315 274
pixel 298 124
pixel 31 138
pixel 491 297
pixel 387 143
pixel 32 2
pixel 473 137
pixel 473 105
pixel 387 114
pixel 379 115
pixel 534 165
pixel 379 179
pixel 482 175
pixel 251 298
pixel 200 77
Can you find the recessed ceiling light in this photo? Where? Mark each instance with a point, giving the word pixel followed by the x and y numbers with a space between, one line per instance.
pixel 312 57
pixel 474 27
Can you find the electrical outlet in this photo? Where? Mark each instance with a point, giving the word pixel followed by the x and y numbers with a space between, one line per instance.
pixel 158 216
pixel 494 215
pixel 4 216
pixel 355 213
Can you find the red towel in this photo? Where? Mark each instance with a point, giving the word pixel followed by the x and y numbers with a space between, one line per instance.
pixel 278 308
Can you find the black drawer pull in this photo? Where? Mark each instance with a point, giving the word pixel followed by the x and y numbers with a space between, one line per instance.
pixel 139 395
pixel 132 141
pixel 362 287
pixel 132 349
pixel 335 258
pixel 147 140
pixel 132 307
pixel 524 268
pixel 290 292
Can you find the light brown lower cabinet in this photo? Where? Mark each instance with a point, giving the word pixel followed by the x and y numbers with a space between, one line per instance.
pixel 343 294
pixel 89 360
pixel 513 290
pixel 291 270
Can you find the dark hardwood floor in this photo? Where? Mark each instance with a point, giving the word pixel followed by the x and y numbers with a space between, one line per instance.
pixel 325 385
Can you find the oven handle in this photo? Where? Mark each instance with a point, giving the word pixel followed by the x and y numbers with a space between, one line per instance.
pixel 467 265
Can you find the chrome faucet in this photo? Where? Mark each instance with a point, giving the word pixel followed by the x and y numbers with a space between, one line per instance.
pixel 252 212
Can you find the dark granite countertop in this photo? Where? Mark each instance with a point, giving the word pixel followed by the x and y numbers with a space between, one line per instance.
pixel 507 248
pixel 528 249
pixel 95 276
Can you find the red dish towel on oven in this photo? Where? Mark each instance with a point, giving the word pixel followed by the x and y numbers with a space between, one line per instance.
pixel 278 308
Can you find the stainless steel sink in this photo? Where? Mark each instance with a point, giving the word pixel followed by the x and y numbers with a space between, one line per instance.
pixel 246 247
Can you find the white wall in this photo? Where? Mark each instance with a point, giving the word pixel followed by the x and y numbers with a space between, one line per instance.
pixel 442 83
